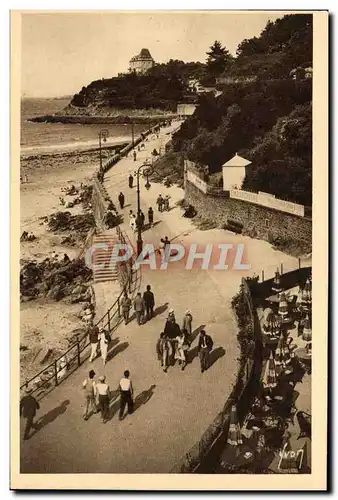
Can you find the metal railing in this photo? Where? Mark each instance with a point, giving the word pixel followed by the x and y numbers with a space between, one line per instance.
pixel 58 370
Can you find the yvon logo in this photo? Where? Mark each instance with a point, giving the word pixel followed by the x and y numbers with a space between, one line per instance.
pixel 290 459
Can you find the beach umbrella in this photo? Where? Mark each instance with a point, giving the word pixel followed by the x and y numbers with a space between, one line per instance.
pixel 307 295
pixel 269 377
pixel 280 355
pixel 276 286
pixel 234 434
pixel 283 308
pixel 307 331
pixel 271 322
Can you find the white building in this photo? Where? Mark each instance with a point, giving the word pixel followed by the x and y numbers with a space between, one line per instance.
pixel 234 172
pixel 141 63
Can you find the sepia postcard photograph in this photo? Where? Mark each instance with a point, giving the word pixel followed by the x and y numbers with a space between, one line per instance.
pixel 169 250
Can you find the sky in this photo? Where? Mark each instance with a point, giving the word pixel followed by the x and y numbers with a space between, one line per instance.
pixel 62 52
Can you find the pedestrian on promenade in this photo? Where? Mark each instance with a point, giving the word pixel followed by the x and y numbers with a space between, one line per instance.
pixel 89 387
pixel 151 217
pixel 205 344
pixel 132 220
pixel 126 392
pixel 187 323
pixel 105 338
pixel 134 155
pixel 166 243
pixel 164 351
pixel 161 248
pixel 171 316
pixel 28 408
pixel 139 308
pixel 131 180
pixel 25 178
pixel 121 200
pixel 180 348
pixel 159 203
pixel 93 339
pixel 126 305
pixel 149 302
pixel 103 393
pixel 142 219
pixel 166 203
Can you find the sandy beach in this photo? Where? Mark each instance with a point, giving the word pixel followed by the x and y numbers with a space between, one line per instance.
pixel 45 323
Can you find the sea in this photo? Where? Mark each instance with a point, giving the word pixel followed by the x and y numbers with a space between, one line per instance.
pixel 42 138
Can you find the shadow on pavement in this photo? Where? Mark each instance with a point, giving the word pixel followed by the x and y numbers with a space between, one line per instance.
pixel 215 355
pixel 143 397
pixel 117 350
pixel 161 309
pixel 192 354
pixel 49 417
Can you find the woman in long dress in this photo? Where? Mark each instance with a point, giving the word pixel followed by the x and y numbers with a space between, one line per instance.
pixel 104 341
pixel 132 221
pixel 187 321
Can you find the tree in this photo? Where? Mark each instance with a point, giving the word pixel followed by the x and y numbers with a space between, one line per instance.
pixel 218 59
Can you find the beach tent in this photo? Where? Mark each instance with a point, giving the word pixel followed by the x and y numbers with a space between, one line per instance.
pixel 234 434
pixel 269 377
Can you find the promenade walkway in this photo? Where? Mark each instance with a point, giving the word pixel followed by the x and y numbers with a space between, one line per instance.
pixel 172 410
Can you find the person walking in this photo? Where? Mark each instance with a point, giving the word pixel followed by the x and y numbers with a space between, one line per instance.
pixel 130 180
pixel 134 155
pixel 164 351
pixel 93 339
pixel 166 203
pixel 132 220
pixel 139 308
pixel 159 203
pixel 103 393
pixel 121 200
pixel 125 305
pixel 205 344
pixel 151 217
pixel 166 243
pixel 187 322
pixel 28 408
pixel 89 387
pixel 171 316
pixel 149 302
pixel 180 348
pixel 105 338
pixel 126 393
pixel 142 219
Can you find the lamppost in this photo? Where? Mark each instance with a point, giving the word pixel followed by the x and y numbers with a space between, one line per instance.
pixel 103 134
pixel 147 185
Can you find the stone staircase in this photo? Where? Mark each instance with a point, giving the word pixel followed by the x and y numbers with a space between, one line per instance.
pixel 104 266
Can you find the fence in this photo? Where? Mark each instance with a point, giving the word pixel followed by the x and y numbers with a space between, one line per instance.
pixel 57 371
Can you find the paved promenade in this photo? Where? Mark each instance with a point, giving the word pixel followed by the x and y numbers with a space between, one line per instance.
pixel 172 409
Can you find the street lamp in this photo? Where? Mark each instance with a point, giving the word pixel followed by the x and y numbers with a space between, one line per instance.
pixel 139 229
pixel 103 134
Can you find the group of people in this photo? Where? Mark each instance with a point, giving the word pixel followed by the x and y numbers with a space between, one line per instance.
pixel 174 343
pixel 143 306
pixel 138 221
pixel 27 236
pixel 97 395
pixel 163 203
pixel 98 336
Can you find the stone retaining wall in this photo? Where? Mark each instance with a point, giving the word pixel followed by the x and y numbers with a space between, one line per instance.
pixel 258 221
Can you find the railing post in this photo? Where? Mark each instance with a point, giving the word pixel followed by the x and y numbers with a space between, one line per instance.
pixel 281 268
pixel 118 307
pixel 109 319
pixel 78 351
pixel 56 372
pixel 262 276
pixel 298 262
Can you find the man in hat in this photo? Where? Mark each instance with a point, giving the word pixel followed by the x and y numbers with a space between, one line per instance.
pixel 139 308
pixel 159 203
pixel 103 392
pixel 126 392
pixel 89 387
pixel 28 407
pixel 131 180
pixel 126 305
pixel 149 301
pixel 205 344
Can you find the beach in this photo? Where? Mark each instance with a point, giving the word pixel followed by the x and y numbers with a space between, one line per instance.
pixel 53 156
